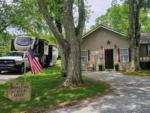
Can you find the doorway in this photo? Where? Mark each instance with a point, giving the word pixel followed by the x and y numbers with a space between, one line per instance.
pixel 109 60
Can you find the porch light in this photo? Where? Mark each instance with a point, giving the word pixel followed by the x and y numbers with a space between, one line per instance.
pixel 108 42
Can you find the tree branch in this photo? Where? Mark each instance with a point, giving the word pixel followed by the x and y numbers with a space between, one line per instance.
pixel 81 19
pixel 50 22
pixel 3 27
pixel 68 20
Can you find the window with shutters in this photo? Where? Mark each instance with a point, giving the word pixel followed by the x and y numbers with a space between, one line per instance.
pixel 124 55
pixel 84 56
pixel 148 49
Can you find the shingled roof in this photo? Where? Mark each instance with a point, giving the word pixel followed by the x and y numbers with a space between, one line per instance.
pixel 104 27
pixel 145 38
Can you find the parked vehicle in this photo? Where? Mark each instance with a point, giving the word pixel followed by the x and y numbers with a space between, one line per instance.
pixel 14 60
pixel 47 54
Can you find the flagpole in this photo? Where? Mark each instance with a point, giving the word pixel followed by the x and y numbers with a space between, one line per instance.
pixel 25 70
pixel 25 65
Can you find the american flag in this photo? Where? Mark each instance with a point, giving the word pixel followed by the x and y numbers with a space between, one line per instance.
pixel 34 64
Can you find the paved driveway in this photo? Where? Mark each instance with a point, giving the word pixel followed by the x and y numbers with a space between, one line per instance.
pixel 130 95
pixel 8 76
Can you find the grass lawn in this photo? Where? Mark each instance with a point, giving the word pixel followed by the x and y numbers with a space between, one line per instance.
pixel 136 73
pixel 47 94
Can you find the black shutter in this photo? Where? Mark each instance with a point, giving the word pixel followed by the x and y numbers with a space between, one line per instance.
pixel 118 55
pixel 129 54
pixel 146 50
pixel 88 55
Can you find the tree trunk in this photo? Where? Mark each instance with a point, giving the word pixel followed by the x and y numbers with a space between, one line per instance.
pixel 134 34
pixel 74 65
pixel 137 36
pixel 64 60
pixel 70 45
pixel 135 59
pixel 63 52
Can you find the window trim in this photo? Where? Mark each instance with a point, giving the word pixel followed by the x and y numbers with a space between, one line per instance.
pixel 124 54
pixel 84 57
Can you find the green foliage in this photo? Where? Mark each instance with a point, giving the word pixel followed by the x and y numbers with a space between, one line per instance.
pixel 49 38
pixel 145 21
pixel 25 16
pixel 28 17
pixel 117 18
pixel 46 93
pixel 6 14
pixel 55 9
pixel 4 43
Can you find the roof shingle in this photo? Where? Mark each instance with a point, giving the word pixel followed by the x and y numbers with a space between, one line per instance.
pixel 145 38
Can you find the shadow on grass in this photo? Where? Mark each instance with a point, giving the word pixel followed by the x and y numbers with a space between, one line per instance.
pixel 137 73
pixel 45 91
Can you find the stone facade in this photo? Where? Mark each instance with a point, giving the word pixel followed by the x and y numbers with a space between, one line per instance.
pixel 103 44
pixel 106 48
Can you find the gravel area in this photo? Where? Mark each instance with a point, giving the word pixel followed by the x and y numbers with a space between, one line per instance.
pixel 130 94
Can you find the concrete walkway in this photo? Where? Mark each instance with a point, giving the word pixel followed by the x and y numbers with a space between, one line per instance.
pixel 8 76
pixel 130 95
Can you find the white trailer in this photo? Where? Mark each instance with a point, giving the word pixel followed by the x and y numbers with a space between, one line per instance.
pixel 45 53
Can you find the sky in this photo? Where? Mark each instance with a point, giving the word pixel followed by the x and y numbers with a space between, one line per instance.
pixel 98 7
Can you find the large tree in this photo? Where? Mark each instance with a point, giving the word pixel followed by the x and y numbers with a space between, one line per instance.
pixel 134 30
pixel 28 19
pixel 70 42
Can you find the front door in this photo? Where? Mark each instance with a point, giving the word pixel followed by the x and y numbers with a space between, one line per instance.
pixel 109 62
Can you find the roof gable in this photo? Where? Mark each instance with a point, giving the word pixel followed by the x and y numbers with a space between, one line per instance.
pixel 103 27
pixel 144 39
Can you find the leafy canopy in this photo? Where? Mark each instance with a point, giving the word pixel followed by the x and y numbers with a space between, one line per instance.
pixel 117 18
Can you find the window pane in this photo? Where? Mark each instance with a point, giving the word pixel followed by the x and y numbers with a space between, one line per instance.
pixel 24 41
pixel 84 56
pixel 84 53
pixel 124 51
pixel 124 55
pixel 84 60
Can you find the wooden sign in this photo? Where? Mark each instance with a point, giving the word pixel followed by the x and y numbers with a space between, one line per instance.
pixel 19 92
